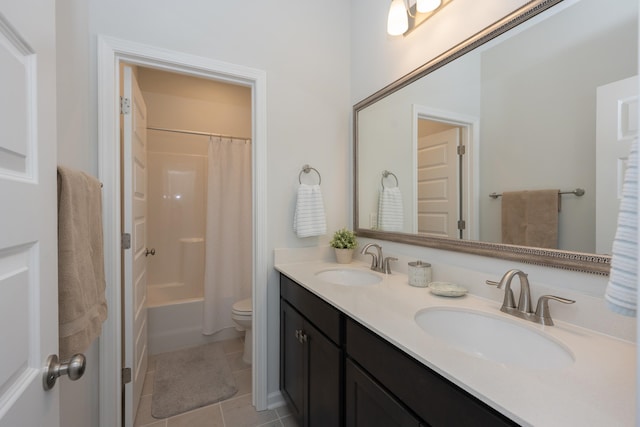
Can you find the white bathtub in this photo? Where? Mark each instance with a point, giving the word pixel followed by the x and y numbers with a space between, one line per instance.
pixel 175 322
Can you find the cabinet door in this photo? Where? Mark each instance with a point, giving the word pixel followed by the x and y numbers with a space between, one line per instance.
pixel 369 405
pixel 292 360
pixel 323 375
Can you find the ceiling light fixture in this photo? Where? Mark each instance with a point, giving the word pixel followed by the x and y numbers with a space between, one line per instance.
pixel 405 15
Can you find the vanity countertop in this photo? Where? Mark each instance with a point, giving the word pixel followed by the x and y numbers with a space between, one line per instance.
pixel 598 389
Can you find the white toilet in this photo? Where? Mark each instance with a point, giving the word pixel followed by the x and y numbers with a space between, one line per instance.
pixel 242 313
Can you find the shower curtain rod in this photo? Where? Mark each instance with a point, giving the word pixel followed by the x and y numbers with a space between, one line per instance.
pixel 193 132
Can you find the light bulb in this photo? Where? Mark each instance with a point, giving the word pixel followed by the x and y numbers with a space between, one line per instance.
pixel 424 6
pixel 397 22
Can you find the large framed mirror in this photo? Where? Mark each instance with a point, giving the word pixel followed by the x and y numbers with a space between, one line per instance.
pixel 544 100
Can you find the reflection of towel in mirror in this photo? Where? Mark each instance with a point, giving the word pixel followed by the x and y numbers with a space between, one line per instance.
pixel 390 214
pixel 81 279
pixel 530 218
pixel 309 218
pixel 623 282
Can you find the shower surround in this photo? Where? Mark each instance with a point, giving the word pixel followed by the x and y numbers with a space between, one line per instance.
pixel 176 230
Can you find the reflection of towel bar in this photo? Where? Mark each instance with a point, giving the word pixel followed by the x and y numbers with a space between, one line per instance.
pixel 385 174
pixel 578 192
pixel 307 169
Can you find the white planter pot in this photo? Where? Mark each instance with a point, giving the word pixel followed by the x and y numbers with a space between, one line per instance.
pixel 344 256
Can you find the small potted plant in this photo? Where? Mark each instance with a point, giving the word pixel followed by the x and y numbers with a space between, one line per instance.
pixel 344 242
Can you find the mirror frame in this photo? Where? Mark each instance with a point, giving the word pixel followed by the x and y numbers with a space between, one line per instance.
pixel 569 260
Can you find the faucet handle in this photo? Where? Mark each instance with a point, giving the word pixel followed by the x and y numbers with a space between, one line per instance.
pixel 542 309
pixel 387 267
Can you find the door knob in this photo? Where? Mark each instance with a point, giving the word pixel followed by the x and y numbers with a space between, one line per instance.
pixel 74 368
pixel 148 251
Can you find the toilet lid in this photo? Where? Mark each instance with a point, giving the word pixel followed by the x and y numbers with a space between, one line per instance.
pixel 243 306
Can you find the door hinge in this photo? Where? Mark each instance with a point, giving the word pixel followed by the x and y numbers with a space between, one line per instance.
pixel 461 224
pixel 125 105
pixel 126 241
pixel 461 150
pixel 126 375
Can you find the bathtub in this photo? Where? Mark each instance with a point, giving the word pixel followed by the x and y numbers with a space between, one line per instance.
pixel 175 322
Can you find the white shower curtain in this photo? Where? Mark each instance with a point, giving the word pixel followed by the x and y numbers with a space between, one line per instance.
pixel 229 261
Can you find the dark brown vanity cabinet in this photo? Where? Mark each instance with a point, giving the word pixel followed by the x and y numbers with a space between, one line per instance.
pixel 311 357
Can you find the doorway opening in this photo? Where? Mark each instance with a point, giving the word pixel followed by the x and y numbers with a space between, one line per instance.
pixel 186 149
pixel 111 53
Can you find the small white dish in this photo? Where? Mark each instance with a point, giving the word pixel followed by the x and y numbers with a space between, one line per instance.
pixel 447 289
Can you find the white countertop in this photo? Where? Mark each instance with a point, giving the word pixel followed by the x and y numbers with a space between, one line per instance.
pixel 598 389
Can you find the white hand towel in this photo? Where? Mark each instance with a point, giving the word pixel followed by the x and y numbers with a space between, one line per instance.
pixel 390 214
pixel 309 218
pixel 623 280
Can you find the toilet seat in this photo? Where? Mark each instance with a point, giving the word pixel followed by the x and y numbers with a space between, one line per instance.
pixel 243 307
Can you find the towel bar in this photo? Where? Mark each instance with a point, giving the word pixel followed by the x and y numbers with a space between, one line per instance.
pixel 385 174
pixel 307 169
pixel 578 192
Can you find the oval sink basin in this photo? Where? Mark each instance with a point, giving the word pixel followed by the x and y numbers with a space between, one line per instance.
pixel 494 338
pixel 348 277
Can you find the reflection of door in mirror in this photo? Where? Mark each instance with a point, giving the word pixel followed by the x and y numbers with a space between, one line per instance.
pixel 616 128
pixel 445 144
pixel 438 207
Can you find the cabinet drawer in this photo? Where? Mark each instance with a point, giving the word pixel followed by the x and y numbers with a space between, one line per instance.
pixel 323 316
pixel 432 397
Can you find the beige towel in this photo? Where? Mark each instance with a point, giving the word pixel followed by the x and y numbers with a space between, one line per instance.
pixel 530 218
pixel 81 281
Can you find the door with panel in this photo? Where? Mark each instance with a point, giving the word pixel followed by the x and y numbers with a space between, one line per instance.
pixel 438 202
pixel 134 158
pixel 28 225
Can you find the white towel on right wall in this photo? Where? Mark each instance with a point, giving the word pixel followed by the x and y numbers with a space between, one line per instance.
pixel 623 278
pixel 390 215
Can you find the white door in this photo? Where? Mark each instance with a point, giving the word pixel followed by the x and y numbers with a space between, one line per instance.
pixel 28 220
pixel 616 127
pixel 438 184
pixel 134 158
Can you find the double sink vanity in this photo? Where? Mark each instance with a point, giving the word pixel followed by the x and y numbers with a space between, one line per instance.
pixel 363 348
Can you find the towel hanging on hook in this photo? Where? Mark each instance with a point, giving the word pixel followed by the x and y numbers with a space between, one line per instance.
pixel 309 217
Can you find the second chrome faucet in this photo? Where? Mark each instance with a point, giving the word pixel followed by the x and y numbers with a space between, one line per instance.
pixel 378 262
pixel 523 309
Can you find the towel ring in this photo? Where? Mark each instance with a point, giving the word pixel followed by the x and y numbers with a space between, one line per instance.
pixel 307 169
pixel 385 174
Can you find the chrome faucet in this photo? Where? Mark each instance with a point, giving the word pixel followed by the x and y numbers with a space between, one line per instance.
pixel 378 262
pixel 523 309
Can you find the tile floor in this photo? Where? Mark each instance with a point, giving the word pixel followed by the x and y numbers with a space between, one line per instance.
pixel 236 411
